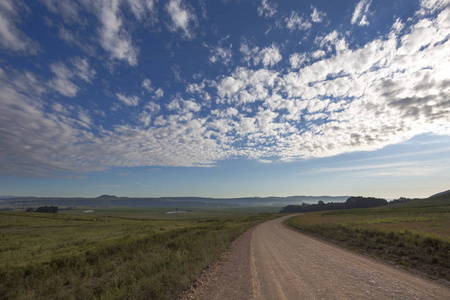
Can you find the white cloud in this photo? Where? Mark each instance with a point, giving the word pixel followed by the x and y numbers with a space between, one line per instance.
pixel 11 38
pixel 402 168
pixel 113 37
pixel 268 56
pixel 422 35
pixel 147 84
pixel 228 87
pixel 386 93
pixel 317 16
pixel 140 8
pixel 431 6
pixel 150 110
pixel 365 167
pixel 183 18
pixel 333 39
pixel 128 100
pixel 318 54
pixel 114 32
pixel 152 107
pixel 330 38
pixel 159 93
pixel 184 107
pixel 62 82
pixel 82 69
pixel 49 141
pixel 360 13
pixel 398 26
pixel 200 91
pixel 267 9
pixel 297 60
pixel 52 143
pixel 359 98
pixel 69 10
pixel 221 54
pixel 294 22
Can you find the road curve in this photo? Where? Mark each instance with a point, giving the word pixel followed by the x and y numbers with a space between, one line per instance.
pixel 272 261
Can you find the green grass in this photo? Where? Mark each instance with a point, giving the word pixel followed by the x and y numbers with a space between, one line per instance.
pixel 112 253
pixel 415 234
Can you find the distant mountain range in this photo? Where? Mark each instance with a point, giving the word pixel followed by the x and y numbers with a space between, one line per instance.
pixel 111 200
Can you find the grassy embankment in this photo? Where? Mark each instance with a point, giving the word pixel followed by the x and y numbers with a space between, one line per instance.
pixel 415 234
pixel 116 253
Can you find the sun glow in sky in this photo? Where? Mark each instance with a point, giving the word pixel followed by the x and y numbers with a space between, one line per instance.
pixel 224 98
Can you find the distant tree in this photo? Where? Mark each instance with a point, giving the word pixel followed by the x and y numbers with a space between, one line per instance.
pixel 364 202
pixel 47 209
pixel 401 200
pixel 352 202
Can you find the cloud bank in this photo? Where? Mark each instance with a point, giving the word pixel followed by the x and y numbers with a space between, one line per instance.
pixel 329 101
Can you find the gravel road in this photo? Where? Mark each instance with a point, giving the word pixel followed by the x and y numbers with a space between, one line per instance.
pixel 272 261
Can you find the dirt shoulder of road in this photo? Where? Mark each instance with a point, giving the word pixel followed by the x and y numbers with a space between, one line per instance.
pixel 231 269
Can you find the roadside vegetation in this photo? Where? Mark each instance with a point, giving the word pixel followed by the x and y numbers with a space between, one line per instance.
pixel 111 254
pixel 414 234
pixel 352 202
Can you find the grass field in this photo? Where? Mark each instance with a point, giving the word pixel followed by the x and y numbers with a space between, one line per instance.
pixel 126 253
pixel 414 234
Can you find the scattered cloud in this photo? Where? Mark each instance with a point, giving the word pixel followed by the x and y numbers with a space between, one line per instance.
pixel 294 22
pixel 267 9
pixel 221 54
pixel 297 60
pixel 360 13
pixel 113 37
pixel 150 110
pixel 128 100
pixel 199 90
pixel 11 38
pixel 183 18
pixel 69 10
pixel 159 93
pixel 318 54
pixel 330 100
pixel 82 69
pixel 152 107
pixel 402 168
pixel 333 40
pixel 141 8
pixel 147 85
pixel 317 16
pixel 63 83
pixel 268 56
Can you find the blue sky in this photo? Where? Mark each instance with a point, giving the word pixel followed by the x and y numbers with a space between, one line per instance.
pixel 224 98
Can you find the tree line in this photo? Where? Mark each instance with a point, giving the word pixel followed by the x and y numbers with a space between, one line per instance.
pixel 47 209
pixel 352 202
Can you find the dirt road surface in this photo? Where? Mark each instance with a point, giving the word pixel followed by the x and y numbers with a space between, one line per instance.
pixel 272 261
